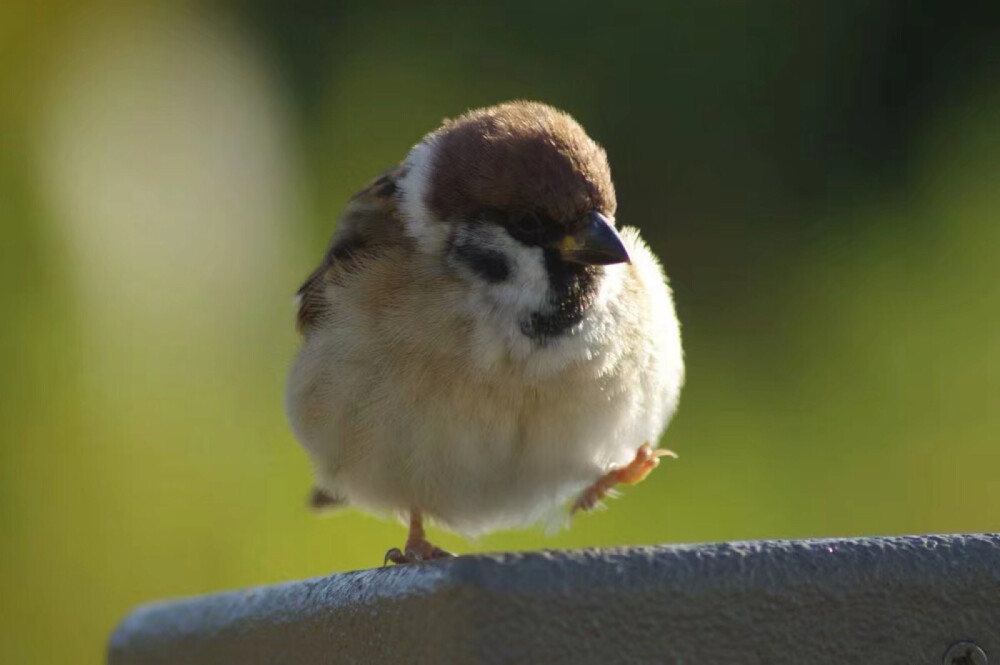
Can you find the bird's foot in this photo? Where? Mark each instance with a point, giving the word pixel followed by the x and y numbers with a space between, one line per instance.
pixel 417 547
pixel 646 459
pixel 415 552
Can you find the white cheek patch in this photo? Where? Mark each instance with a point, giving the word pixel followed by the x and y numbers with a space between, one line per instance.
pixel 526 286
pixel 430 234
pixel 498 307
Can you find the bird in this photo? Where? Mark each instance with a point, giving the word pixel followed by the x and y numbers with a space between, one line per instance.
pixel 481 346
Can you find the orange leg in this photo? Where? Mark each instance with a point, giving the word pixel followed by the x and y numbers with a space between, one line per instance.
pixel 417 548
pixel 646 459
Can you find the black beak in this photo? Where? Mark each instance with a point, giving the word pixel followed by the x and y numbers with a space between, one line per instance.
pixel 596 244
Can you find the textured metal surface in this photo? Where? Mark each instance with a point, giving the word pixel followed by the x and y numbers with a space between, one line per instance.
pixel 877 600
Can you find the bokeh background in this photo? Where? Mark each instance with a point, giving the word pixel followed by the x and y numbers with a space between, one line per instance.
pixel 821 179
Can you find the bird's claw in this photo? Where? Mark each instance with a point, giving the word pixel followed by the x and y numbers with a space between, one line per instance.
pixel 646 459
pixel 394 555
pixel 418 553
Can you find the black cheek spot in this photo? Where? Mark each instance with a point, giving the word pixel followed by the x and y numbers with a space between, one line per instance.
pixel 489 264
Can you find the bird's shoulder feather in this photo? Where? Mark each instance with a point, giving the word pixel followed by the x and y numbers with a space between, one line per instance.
pixel 369 225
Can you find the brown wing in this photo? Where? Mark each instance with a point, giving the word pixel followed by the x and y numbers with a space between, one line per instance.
pixel 369 224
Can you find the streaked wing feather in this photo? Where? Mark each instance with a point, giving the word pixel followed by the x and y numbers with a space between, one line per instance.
pixel 369 224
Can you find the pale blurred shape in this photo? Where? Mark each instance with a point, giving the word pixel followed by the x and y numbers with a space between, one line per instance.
pixel 165 156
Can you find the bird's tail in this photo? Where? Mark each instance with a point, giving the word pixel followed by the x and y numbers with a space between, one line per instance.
pixel 323 502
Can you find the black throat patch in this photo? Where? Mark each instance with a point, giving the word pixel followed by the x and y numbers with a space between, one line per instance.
pixel 572 291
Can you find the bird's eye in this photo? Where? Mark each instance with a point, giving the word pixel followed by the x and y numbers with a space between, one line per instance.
pixel 491 216
pixel 526 226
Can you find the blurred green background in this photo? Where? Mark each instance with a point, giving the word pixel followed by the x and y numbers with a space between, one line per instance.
pixel 822 181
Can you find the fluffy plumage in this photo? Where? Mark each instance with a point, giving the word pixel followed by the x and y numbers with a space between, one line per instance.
pixel 462 356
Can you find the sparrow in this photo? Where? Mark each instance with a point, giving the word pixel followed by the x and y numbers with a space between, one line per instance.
pixel 481 345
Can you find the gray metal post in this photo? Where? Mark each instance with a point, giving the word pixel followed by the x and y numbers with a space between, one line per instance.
pixel 870 600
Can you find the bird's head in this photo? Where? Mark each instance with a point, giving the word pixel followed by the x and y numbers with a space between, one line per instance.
pixel 517 196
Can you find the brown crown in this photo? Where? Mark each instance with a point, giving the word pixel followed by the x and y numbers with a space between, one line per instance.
pixel 519 155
